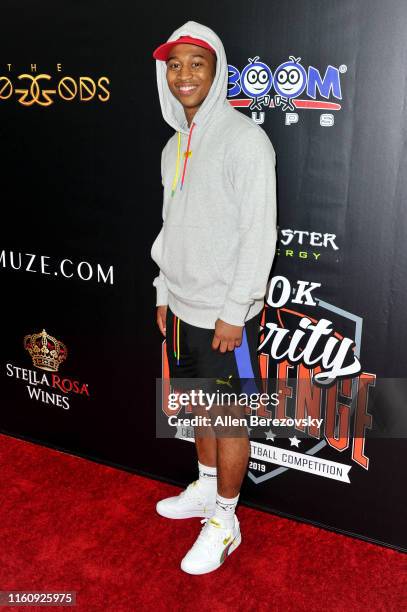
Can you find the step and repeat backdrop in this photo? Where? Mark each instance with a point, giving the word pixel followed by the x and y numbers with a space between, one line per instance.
pixel 82 134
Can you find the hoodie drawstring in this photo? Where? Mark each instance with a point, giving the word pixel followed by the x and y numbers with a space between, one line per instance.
pixel 175 181
pixel 176 343
pixel 175 338
pixel 187 154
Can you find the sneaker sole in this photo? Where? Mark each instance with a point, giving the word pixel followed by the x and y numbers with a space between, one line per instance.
pixel 185 515
pixel 195 572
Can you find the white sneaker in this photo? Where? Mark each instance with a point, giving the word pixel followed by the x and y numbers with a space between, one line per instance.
pixel 211 548
pixel 189 503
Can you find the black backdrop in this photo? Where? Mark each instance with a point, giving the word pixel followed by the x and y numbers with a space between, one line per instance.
pixel 81 182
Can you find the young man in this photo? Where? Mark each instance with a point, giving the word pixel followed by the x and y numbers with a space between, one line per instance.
pixel 215 252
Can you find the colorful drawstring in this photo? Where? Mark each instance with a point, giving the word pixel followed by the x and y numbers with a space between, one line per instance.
pixel 175 181
pixel 176 338
pixel 187 155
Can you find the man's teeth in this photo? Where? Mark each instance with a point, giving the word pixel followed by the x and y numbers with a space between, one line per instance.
pixel 187 87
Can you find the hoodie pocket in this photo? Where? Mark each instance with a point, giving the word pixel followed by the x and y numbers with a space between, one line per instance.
pixel 189 264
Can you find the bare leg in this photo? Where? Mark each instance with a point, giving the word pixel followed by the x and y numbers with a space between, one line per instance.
pixel 233 456
pixel 205 440
pixel 206 450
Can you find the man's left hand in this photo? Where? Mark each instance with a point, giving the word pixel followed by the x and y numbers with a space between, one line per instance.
pixel 226 337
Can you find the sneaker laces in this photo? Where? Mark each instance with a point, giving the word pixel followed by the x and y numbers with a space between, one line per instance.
pixel 211 532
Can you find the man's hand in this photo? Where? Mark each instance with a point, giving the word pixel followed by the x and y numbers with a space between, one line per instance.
pixel 226 336
pixel 161 319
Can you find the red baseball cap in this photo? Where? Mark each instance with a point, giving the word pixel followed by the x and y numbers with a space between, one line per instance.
pixel 161 53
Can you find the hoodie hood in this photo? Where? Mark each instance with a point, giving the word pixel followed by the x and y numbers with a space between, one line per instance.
pixel 171 108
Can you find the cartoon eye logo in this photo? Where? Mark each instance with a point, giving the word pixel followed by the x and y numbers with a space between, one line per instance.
pixel 290 78
pixel 256 78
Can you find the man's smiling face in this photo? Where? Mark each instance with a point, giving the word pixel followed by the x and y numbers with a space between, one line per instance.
pixel 190 73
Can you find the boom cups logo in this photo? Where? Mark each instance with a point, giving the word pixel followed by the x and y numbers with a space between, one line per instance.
pixel 289 81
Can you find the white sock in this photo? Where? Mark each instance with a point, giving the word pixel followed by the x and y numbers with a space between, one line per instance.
pixel 208 481
pixel 225 510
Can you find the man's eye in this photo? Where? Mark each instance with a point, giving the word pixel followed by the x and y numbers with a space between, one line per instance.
pixel 197 64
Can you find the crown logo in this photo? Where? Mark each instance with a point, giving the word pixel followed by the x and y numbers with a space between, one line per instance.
pixel 46 351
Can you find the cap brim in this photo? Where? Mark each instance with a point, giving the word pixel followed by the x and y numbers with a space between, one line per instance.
pixel 161 53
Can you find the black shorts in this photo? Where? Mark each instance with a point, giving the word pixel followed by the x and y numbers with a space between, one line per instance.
pixel 190 355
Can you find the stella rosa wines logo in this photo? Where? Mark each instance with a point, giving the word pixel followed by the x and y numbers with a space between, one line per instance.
pixel 47 353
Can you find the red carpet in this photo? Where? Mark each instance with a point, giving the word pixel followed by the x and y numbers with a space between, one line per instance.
pixel 71 524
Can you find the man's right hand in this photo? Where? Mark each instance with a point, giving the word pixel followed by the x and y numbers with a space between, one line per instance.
pixel 162 318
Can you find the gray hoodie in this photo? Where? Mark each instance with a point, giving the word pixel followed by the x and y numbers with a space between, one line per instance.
pixel 218 238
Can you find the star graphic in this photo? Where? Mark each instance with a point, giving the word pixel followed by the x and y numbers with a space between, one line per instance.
pixel 270 435
pixel 294 441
